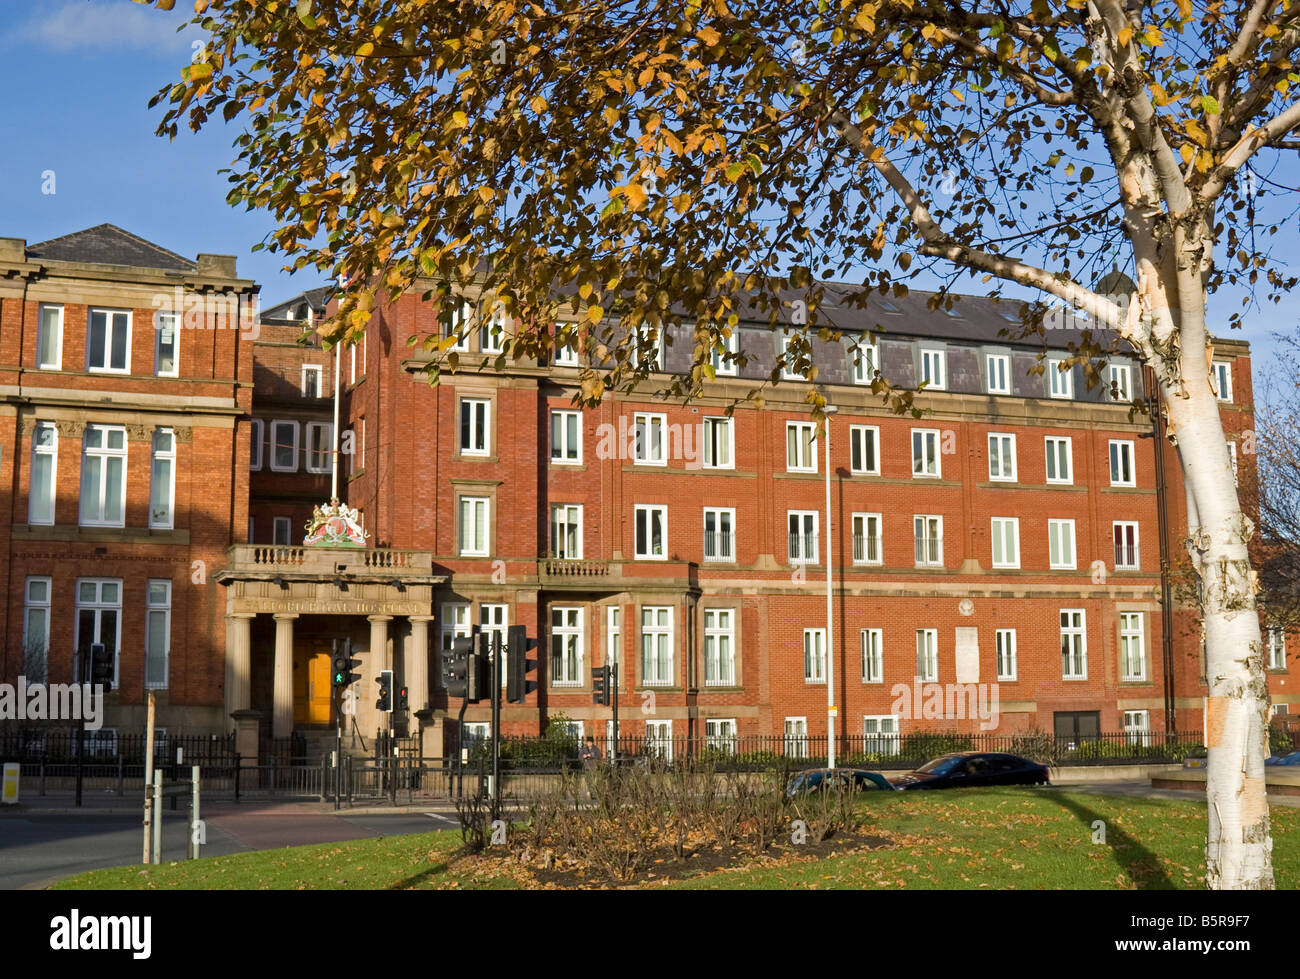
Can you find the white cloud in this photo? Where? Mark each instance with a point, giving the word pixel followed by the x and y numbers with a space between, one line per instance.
pixel 89 25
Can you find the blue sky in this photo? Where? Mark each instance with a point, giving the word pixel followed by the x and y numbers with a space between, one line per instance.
pixel 78 75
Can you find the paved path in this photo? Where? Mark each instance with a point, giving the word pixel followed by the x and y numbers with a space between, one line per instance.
pixel 38 847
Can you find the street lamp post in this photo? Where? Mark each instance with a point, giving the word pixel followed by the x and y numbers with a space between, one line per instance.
pixel 830 634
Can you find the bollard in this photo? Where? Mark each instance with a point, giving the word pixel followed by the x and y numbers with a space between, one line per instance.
pixel 196 831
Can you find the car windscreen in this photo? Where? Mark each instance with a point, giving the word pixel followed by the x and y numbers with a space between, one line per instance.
pixel 940 766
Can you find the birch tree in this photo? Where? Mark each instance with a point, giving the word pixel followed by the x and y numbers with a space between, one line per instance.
pixel 606 168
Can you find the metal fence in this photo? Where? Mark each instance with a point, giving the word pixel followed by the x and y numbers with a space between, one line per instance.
pixel 890 751
pixel 107 747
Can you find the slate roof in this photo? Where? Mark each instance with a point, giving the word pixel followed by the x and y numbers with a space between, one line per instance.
pixel 316 298
pixel 107 244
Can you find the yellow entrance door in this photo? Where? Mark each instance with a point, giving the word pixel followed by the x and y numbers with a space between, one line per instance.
pixel 312 690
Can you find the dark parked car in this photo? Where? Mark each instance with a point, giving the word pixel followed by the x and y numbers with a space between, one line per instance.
pixel 1292 759
pixel 821 779
pixel 969 768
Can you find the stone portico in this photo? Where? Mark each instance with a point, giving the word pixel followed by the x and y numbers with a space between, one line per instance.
pixel 331 589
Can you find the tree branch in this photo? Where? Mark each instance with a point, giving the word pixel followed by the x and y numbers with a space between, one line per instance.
pixel 939 244
pixel 1246 147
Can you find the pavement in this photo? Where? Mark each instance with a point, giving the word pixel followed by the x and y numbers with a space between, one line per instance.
pixel 43 842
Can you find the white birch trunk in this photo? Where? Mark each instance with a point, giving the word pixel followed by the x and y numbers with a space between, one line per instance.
pixel 1239 846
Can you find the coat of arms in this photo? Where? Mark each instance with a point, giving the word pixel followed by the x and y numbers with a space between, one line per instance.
pixel 334 525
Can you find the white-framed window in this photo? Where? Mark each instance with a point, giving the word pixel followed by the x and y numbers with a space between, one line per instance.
pixel 1004 641
pixel 1127 557
pixel 864 363
pixel 881 734
pixel 719 442
pixel 313 376
pixel 566 346
pixel 800 440
pixel 566 531
pixel 566 646
pixel 650 347
pixel 864 450
pixel 650 444
pixel 255 445
pixel 103 476
pixel 475 418
pixel 493 619
pixel 719 647
pixel 454 623
pixel 659 739
pixel 166 344
pixel 723 365
pixel 656 645
pixel 460 315
pixel 802 528
pixel 1060 381
pixel 1122 471
pixel 1276 642
pixel 1222 376
pixel 162 480
pixel 474 733
pixel 284 446
pixel 927 655
pixel 814 656
pixel 1005 532
pixel 873 665
pixel 720 734
pixel 719 534
pixel 1137 727
pixel 1074 645
pixel 1060 545
pixel 566 438
pixel 49 337
pixel 934 369
pixel 868 546
pixel 925 453
pixel 651 533
pixel 927 533
pixel 998 368
pixel 1060 459
pixel 492 331
pixel 614 638
pixel 795 742
pixel 320 447
pixel 1132 646
pixel 282 532
pixel 37 598
pixel 103 743
pixel 157 633
pixel 1002 457
pixel 474 526
pixel 1120 377
pixel 99 619
pixel 43 485
pixel 788 372
pixel 108 341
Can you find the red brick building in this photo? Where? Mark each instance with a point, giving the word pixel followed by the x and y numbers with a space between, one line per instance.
pixel 126 372
pixel 1010 538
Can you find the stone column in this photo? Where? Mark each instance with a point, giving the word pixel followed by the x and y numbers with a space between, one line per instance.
pixel 416 666
pixel 379 659
pixel 282 719
pixel 239 661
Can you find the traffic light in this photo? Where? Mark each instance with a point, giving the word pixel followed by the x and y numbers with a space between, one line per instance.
pixel 344 664
pixel 479 676
pixel 518 645
pixel 385 701
pixel 403 704
pixel 455 667
pixel 101 665
pixel 600 686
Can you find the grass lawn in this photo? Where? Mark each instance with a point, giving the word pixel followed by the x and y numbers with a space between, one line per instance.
pixel 994 838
